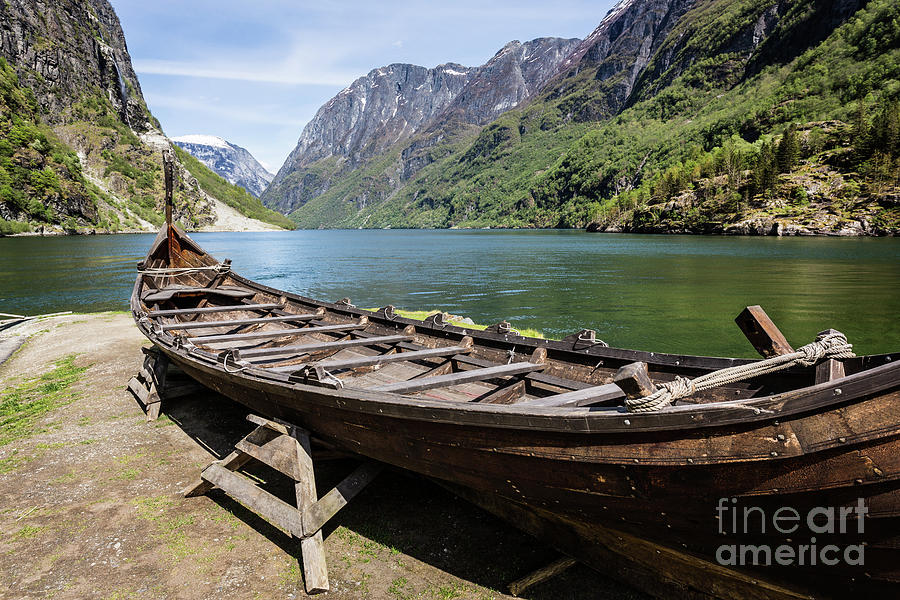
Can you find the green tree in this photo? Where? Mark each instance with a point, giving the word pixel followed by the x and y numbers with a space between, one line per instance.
pixel 788 149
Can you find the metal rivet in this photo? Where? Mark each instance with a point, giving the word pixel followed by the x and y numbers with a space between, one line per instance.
pixel 773 453
pixel 842 439
pixel 837 392
pixel 690 461
pixel 780 437
pixel 627 422
pixel 857 481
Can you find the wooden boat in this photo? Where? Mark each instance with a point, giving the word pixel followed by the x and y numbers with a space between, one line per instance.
pixel 534 430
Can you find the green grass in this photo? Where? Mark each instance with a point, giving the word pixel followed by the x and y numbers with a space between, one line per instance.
pixel 421 315
pixel 23 405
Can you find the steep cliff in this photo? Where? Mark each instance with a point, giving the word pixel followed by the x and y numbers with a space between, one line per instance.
pixel 378 115
pixel 228 160
pixel 79 150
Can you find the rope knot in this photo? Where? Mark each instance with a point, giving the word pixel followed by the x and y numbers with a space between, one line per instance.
pixel 828 344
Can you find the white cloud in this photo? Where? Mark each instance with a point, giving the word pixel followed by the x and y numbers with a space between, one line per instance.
pixel 397 44
pixel 302 62
pixel 204 105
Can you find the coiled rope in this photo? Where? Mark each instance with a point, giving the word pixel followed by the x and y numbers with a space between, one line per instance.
pixel 830 344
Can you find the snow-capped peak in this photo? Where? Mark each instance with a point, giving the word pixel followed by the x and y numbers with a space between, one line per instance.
pixel 203 140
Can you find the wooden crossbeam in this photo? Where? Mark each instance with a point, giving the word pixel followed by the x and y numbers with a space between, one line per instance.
pixel 583 397
pixel 537 377
pixel 367 361
pixel 438 381
pixel 272 508
pixel 316 515
pixel 169 293
pixel 212 309
pixel 762 332
pixel 273 334
pixel 237 322
pixel 300 349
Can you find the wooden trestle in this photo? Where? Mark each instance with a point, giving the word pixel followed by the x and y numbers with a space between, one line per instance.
pixel 286 448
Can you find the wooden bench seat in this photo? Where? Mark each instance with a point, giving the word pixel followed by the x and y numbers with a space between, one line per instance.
pixel 582 397
pixel 168 293
pixel 238 322
pixel 274 333
pixel 438 381
pixel 212 309
pixel 368 361
pixel 286 352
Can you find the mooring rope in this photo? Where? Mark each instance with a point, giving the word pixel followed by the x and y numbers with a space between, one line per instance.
pixel 832 344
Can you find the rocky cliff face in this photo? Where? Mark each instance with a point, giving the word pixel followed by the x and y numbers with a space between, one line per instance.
pixel 63 49
pixel 379 113
pixel 230 161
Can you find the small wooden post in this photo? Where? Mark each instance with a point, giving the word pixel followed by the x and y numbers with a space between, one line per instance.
pixel 829 369
pixel 634 380
pixel 762 332
pixel 315 570
pixel 169 174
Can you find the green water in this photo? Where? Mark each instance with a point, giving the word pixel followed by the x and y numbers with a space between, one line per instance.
pixel 661 293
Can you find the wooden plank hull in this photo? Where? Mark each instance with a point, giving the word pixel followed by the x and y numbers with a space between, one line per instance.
pixel 683 482
pixel 553 476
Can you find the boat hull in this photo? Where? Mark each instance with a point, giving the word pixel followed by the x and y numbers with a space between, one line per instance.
pixel 563 480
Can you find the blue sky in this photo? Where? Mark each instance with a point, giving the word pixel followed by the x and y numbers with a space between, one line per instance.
pixel 256 72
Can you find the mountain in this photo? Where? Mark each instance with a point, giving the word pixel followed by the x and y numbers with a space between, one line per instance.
pixel 672 115
pixel 230 161
pixel 402 111
pixel 79 149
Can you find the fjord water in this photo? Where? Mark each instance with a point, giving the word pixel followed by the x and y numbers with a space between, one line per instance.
pixel 662 293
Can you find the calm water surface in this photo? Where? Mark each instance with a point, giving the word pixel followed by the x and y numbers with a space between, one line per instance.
pixel 661 293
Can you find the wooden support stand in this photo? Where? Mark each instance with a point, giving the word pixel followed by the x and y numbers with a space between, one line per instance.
pixel 286 448
pixel 155 382
pixel 543 574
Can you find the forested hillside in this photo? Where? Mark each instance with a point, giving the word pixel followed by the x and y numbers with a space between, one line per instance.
pixel 716 115
pixel 79 149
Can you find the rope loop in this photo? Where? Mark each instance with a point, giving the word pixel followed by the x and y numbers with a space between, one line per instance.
pixel 827 345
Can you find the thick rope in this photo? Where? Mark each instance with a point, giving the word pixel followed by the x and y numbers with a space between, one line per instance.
pixel 827 345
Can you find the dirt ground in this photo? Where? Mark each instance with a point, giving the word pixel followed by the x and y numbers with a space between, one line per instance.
pixel 91 505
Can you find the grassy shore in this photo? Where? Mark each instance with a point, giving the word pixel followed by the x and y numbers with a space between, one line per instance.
pixel 91 504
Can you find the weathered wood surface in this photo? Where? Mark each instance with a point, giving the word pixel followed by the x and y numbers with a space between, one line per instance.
pixel 381 359
pixel 273 334
pixel 315 570
pixel 829 369
pixel 427 383
pixel 540 575
pixel 238 322
pixel 212 309
pixel 300 349
pixel 583 397
pixel 232 462
pixel 271 508
pixel 317 514
pixel 168 293
pixel 762 332
pixel 634 379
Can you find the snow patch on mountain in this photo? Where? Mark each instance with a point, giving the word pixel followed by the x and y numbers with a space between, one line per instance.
pixel 229 160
